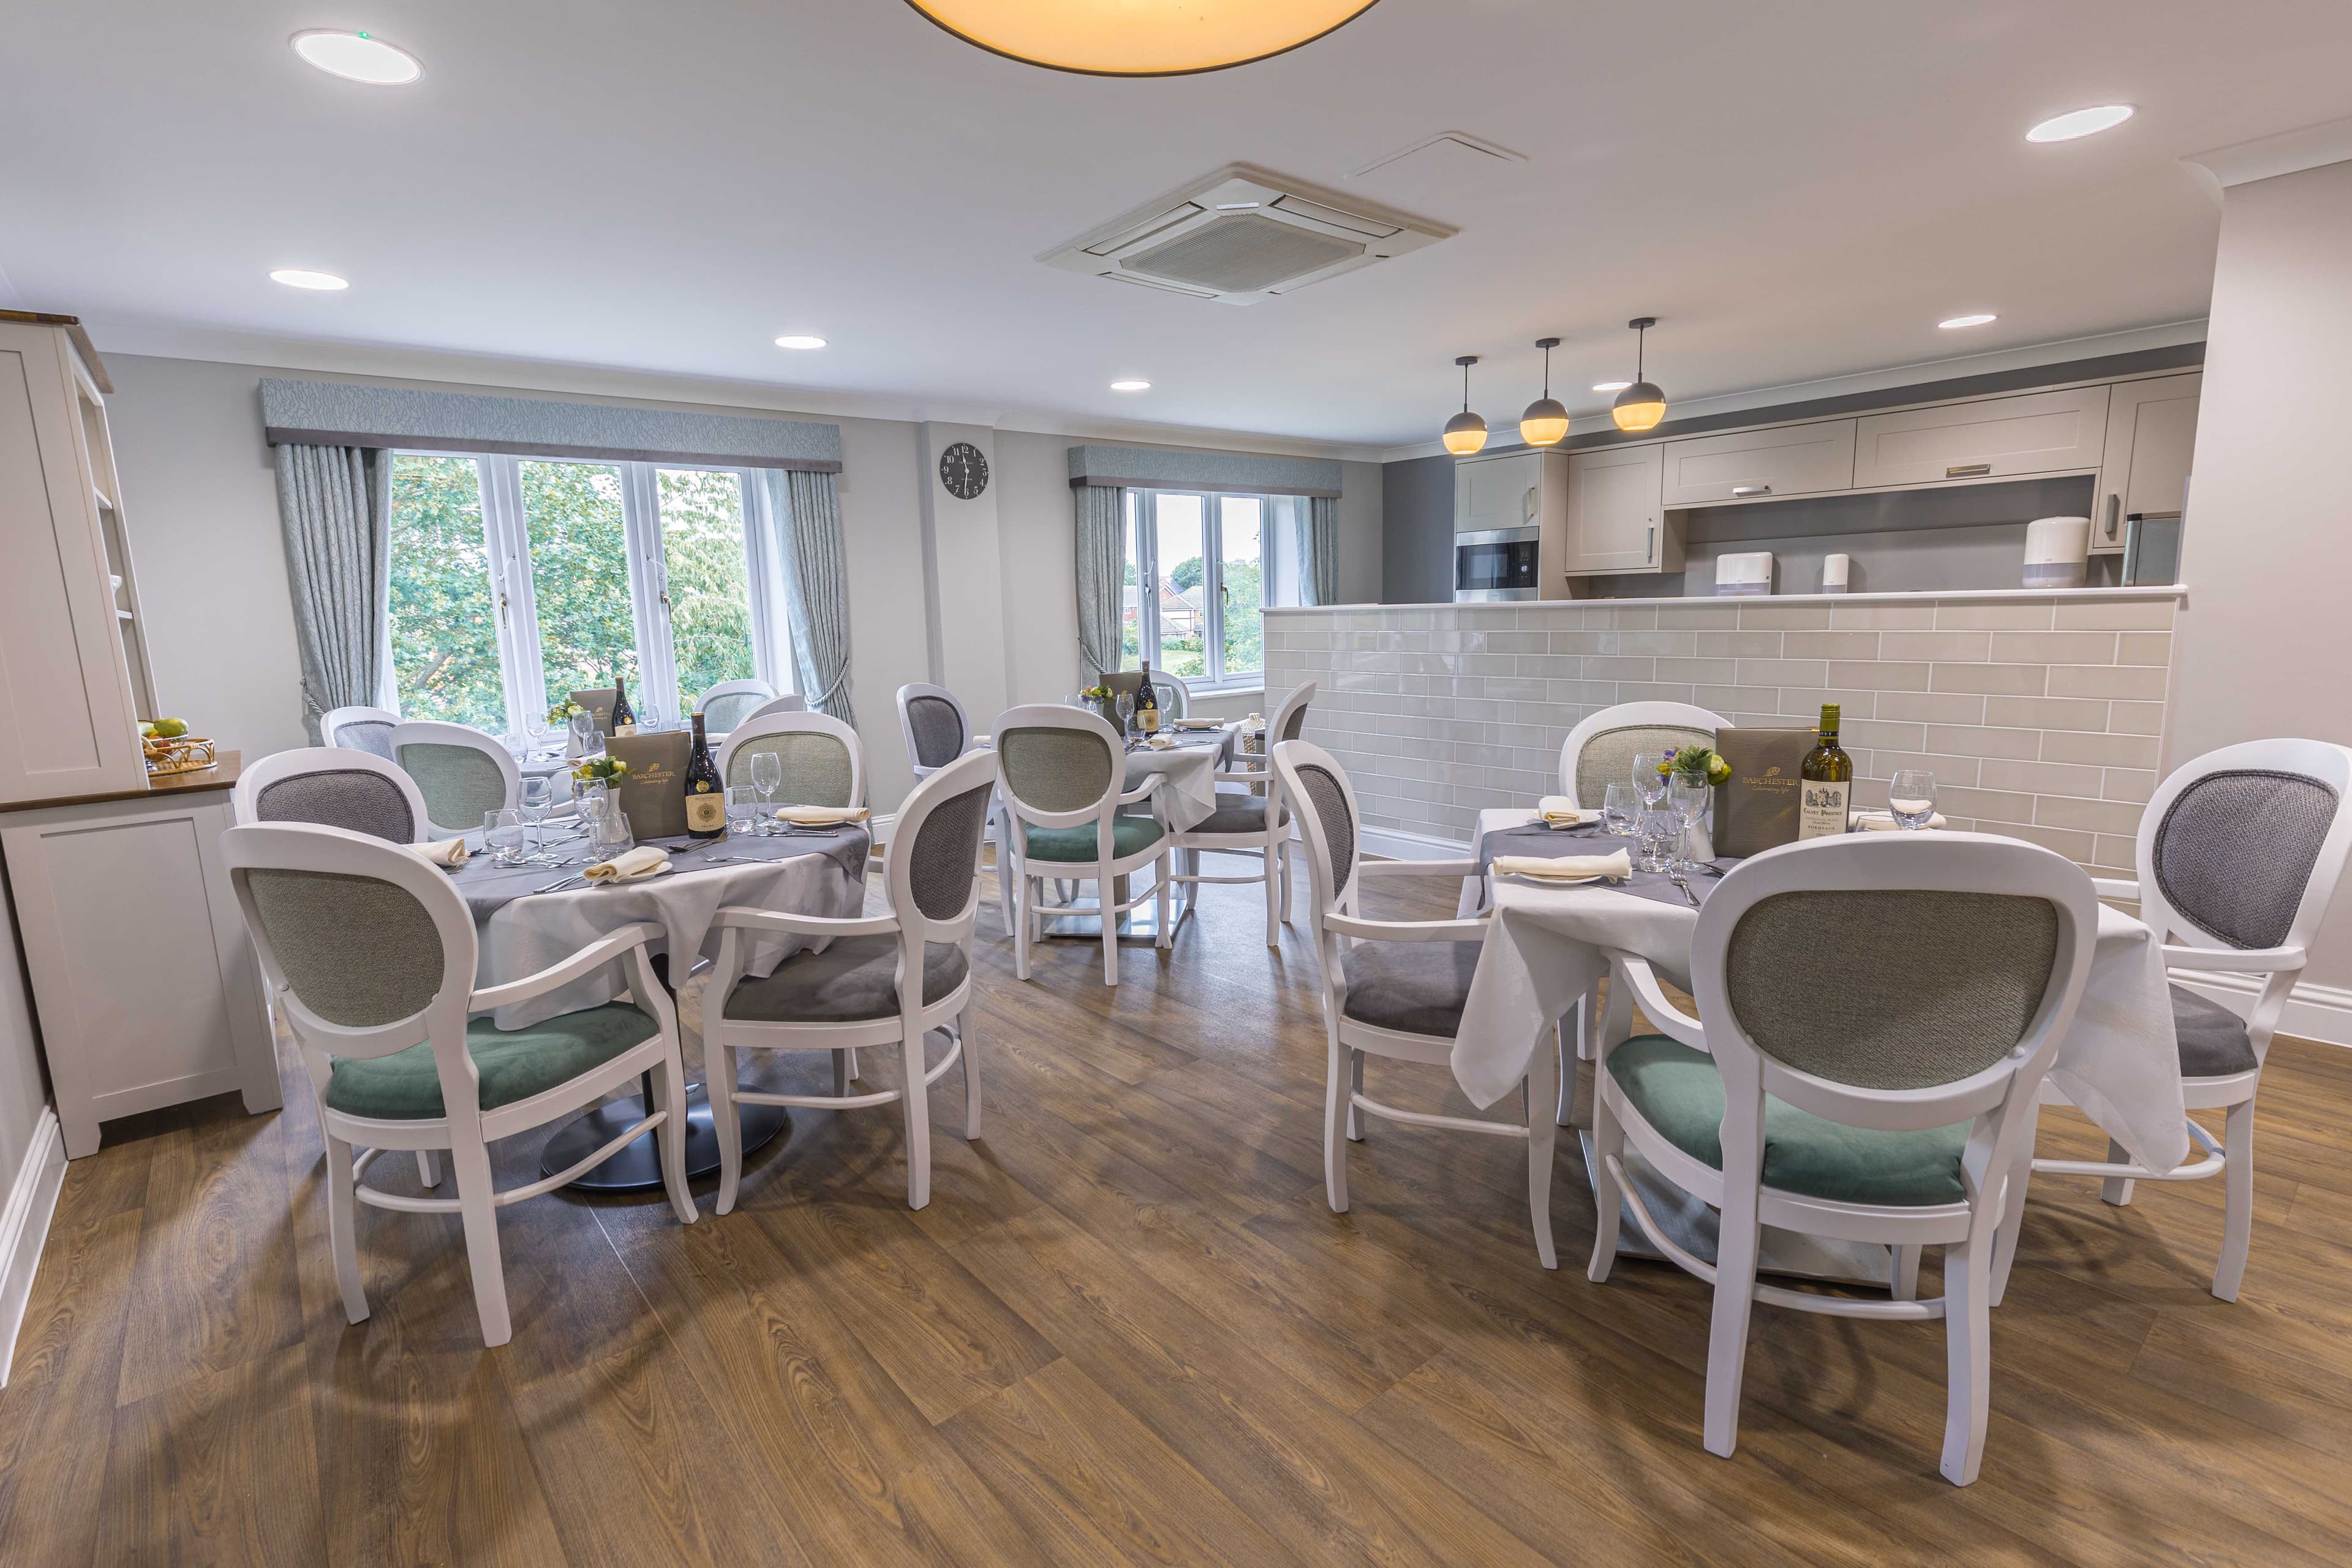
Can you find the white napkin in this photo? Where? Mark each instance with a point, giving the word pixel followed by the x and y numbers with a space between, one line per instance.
pixel 1566 868
pixel 820 815
pixel 1883 821
pixel 1161 742
pixel 645 860
pixel 1557 808
pixel 1199 723
pixel 449 852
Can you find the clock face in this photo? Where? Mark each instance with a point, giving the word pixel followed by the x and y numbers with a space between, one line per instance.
pixel 963 470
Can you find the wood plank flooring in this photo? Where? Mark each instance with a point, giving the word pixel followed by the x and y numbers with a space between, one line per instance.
pixel 1127 1330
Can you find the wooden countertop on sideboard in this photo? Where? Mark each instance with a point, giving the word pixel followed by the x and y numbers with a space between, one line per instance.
pixel 221 775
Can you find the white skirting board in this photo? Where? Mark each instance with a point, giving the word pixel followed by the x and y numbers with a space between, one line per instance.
pixel 24 1227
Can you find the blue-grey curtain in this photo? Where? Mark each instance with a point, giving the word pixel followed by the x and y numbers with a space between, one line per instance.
pixel 805 510
pixel 1102 577
pixel 1318 534
pixel 334 505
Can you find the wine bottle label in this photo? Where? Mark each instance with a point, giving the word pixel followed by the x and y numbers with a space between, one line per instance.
pixel 706 811
pixel 1148 721
pixel 1821 809
pixel 624 729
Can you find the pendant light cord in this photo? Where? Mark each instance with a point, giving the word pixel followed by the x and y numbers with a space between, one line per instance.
pixel 1465 386
pixel 1640 354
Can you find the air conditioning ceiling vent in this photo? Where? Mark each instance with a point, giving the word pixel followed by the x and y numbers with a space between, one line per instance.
pixel 1242 235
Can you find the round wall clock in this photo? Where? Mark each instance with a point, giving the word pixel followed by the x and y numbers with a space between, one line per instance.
pixel 963 470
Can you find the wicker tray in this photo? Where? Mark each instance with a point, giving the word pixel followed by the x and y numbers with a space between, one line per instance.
pixel 186 755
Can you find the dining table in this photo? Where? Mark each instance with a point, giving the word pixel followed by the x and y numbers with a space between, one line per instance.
pixel 1546 947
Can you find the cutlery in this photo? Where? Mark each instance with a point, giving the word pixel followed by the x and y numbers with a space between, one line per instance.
pixel 560 882
pixel 1677 878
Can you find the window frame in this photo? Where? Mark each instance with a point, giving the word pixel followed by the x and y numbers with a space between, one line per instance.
pixel 1144 504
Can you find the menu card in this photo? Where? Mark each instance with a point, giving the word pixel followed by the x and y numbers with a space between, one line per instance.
pixel 1756 809
pixel 653 792
pixel 599 701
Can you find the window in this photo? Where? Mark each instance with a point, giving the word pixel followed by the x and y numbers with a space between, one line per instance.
pixel 1196 584
pixel 517 581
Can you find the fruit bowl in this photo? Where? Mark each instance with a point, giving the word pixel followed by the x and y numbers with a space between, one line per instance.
pixel 179 754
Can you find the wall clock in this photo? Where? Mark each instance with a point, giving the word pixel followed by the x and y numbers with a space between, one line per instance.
pixel 963 470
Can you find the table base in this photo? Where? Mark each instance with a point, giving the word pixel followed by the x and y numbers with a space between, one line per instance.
pixel 1690 1225
pixel 637 1168
pixel 1140 926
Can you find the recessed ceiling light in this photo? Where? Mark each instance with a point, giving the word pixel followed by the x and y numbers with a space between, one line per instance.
pixel 800 341
pixel 300 278
pixel 1130 385
pixel 2081 123
pixel 1976 320
pixel 1611 385
pixel 356 57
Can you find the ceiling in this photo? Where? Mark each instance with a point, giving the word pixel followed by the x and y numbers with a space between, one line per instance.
pixel 1794 192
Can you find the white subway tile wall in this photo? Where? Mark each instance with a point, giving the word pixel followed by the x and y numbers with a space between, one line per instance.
pixel 2040 719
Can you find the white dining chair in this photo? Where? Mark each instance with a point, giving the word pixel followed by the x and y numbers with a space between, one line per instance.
pixel 822 763
pixel 1600 748
pixel 360 729
pixel 730 702
pixel 333 786
pixel 790 702
pixel 370 954
pixel 1394 989
pixel 880 979
pixel 1063 772
pixel 1249 825
pixel 2239 855
pixel 460 772
pixel 1875 1014
pixel 937 730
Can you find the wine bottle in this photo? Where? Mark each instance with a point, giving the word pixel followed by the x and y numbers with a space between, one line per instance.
pixel 1826 782
pixel 625 722
pixel 1146 704
pixel 706 795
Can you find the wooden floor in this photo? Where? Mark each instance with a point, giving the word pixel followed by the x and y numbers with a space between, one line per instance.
pixel 1128 1330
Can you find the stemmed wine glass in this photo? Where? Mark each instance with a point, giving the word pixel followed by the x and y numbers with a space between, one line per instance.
pixel 536 796
pixel 767 776
pixel 1126 706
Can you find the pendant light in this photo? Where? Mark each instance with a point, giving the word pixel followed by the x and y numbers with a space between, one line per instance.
pixel 1466 433
pixel 1641 406
pixel 1161 38
pixel 1545 423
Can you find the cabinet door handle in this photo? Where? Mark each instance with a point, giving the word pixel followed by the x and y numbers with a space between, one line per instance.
pixel 1649 542
pixel 2114 505
pixel 1738 491
pixel 1968 471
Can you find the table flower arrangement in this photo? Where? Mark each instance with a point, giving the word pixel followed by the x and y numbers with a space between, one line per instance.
pixel 564 712
pixel 1699 763
pixel 606 771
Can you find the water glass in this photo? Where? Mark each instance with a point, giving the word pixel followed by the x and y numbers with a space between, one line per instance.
pixel 744 810
pixel 767 776
pixel 1911 798
pixel 1689 797
pixel 1654 841
pixel 608 829
pixel 1649 779
pixel 502 835
pixel 1621 807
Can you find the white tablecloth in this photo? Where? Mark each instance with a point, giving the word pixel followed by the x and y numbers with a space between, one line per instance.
pixel 1191 769
pixel 1545 947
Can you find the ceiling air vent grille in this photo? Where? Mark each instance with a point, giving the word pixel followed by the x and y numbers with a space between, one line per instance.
pixel 1242 235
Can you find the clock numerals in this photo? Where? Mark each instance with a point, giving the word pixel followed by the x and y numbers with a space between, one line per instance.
pixel 964 470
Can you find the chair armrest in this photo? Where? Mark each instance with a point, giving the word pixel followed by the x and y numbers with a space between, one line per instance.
pixel 1407 931
pixel 2109 887
pixel 596 955
pixel 1416 868
pixel 1250 778
pixel 748 917
pixel 1150 785
pixel 2249 961
pixel 1670 1020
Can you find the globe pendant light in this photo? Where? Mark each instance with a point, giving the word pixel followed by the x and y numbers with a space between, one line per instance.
pixel 1545 423
pixel 1465 432
pixel 1140 37
pixel 1641 406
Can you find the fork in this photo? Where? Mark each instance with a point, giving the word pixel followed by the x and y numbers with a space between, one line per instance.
pixel 1675 876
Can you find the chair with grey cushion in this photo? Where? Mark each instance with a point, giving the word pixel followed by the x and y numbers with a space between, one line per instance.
pixel 1876 1015
pixel 333 786
pixel 369 955
pixel 359 730
pixel 1600 748
pixel 936 731
pixel 1257 826
pixel 460 772
pixel 1393 989
pixel 892 979
pixel 1064 782
pixel 822 763
pixel 730 702
pixel 2239 855
pixel 790 702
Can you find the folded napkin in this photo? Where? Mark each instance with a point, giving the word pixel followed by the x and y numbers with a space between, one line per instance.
pixel 1883 821
pixel 820 815
pixel 1566 868
pixel 642 861
pixel 1557 808
pixel 449 852
pixel 1199 723
pixel 1160 743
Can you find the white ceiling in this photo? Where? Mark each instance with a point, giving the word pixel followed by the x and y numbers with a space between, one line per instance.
pixel 1794 191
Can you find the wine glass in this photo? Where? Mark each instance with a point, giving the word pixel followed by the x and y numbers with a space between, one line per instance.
pixel 1911 798
pixel 1650 777
pixel 767 776
pixel 584 735
pixel 535 797
pixel 1621 808
pixel 1126 706
pixel 1689 796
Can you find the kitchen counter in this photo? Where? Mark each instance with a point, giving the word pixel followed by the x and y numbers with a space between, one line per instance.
pixel 2174 593
pixel 221 775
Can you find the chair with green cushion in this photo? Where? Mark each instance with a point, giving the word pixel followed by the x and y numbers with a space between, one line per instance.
pixel 460 772
pixel 887 980
pixel 1876 1015
pixel 821 760
pixel 369 953
pixel 1063 772
pixel 1254 824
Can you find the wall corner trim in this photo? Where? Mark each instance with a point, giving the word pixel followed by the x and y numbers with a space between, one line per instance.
pixel 2288 152
pixel 31 1199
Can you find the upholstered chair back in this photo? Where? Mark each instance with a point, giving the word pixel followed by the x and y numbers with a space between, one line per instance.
pixel 335 787
pixel 823 763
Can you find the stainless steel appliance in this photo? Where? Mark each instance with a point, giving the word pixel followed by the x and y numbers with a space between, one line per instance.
pixel 1499 563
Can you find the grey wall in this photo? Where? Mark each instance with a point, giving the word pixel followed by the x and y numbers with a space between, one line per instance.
pixel 1417 531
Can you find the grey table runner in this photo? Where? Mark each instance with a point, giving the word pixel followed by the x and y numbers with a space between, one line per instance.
pixel 1546 844
pixel 488 888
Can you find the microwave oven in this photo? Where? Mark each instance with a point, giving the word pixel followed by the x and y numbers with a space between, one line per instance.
pixel 1499 563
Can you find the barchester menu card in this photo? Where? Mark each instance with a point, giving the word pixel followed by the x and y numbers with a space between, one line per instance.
pixel 1756 809
pixel 653 792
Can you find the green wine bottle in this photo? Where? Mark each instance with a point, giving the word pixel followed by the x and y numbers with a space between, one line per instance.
pixel 1826 781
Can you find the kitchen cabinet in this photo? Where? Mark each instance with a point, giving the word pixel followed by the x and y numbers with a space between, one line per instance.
pixel 1503 491
pixel 1759 465
pixel 1615 521
pixel 2151 436
pixel 1993 438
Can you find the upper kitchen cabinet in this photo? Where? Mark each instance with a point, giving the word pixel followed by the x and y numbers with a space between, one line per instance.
pixel 1760 464
pixel 1507 490
pixel 1615 519
pixel 1999 437
pixel 2151 435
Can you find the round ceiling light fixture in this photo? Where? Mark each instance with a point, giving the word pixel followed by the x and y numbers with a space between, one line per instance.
pixel 1466 433
pixel 2079 122
pixel 358 56
pixel 1641 406
pixel 1140 37
pixel 1954 323
pixel 303 277
pixel 1131 384
pixel 800 341
pixel 1545 423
